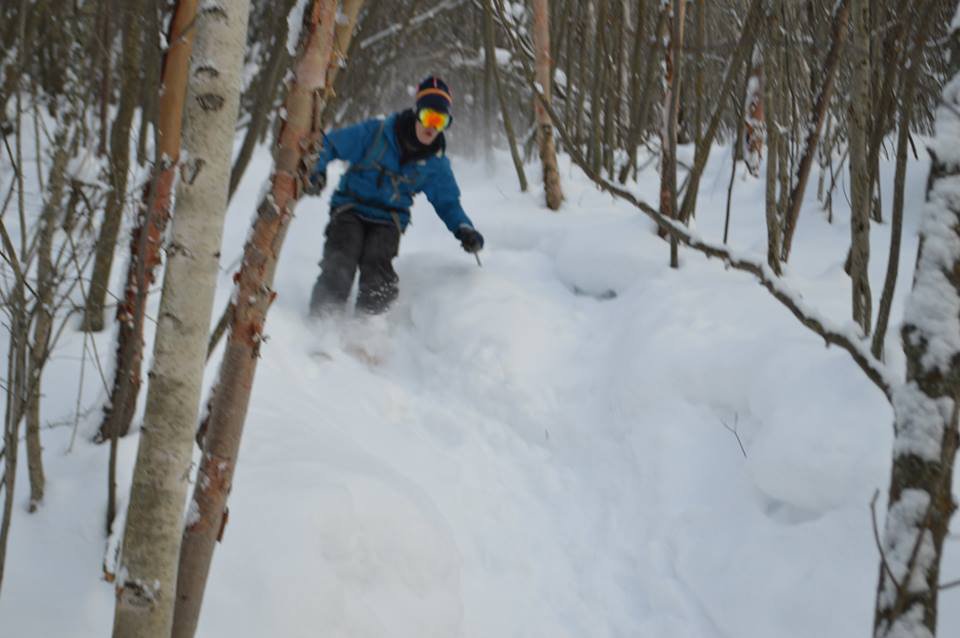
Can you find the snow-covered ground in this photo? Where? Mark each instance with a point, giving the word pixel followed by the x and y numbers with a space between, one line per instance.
pixel 544 447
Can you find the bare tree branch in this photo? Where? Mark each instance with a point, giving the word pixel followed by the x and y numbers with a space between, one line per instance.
pixel 949 585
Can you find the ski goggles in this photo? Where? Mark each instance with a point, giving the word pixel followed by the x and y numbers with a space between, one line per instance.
pixel 434 119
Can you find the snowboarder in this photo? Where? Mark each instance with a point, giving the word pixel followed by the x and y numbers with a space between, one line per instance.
pixel 391 160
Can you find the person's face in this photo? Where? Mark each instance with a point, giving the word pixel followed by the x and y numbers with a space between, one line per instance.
pixel 425 134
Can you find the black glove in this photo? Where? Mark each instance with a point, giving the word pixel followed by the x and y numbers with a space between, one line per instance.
pixel 470 238
pixel 315 183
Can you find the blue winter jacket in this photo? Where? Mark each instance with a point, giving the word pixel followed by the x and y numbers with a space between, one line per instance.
pixel 377 187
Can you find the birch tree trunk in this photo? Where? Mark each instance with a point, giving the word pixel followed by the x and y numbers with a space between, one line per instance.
pixel 299 136
pixel 147 584
pixel 548 154
pixel 926 406
pixel 154 214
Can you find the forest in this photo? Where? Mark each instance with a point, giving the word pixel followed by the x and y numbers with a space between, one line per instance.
pixel 131 127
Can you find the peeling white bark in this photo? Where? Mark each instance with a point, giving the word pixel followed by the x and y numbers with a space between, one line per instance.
pixel 147 584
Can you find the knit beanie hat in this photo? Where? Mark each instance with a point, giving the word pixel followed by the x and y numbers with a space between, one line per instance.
pixel 433 93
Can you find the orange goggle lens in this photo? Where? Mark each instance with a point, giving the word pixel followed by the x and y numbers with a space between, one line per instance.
pixel 434 119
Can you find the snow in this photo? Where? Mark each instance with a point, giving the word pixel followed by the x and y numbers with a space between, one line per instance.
pixel 537 447
pixel 85 166
pixel 909 512
pixel 921 423
pixel 910 625
pixel 294 25
pixel 935 305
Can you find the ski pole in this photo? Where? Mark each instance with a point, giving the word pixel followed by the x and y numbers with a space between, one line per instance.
pixel 477 255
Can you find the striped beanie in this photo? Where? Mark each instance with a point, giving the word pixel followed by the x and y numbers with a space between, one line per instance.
pixel 433 93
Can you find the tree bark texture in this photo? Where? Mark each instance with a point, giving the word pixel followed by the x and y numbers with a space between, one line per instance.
pixel 266 92
pixel 641 105
pixel 16 391
pixel 151 545
pixel 613 88
pixel 860 186
pixel 636 63
pixel 776 146
pixel 598 86
pixel 815 125
pixel 739 56
pixel 15 388
pixel 548 153
pixel 668 115
pixel 104 52
pixel 884 102
pixel 700 26
pixel 739 146
pixel 899 181
pixel 152 64
pixel 119 166
pixel 754 121
pixel 153 218
pixel 926 433
pixel 587 33
pixel 700 43
pixel 491 61
pixel 671 109
pixel 299 135
pixel 43 322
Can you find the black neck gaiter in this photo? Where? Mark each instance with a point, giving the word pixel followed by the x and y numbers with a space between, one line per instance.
pixel 410 147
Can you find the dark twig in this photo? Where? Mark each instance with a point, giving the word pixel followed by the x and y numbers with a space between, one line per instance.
pixel 733 430
pixel 949 584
